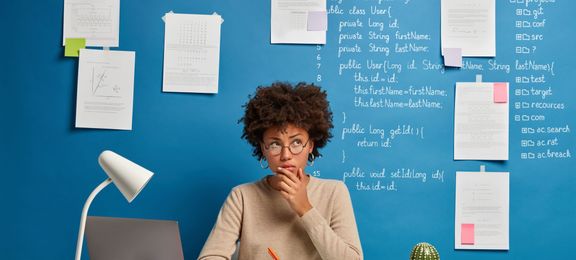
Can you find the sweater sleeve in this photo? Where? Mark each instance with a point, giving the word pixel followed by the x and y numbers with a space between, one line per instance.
pixel 221 242
pixel 338 239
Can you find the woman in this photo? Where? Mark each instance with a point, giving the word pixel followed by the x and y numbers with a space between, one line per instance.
pixel 294 214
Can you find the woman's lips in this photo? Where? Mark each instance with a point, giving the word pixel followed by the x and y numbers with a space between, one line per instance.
pixel 291 168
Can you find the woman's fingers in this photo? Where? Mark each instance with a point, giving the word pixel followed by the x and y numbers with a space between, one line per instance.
pixel 288 181
pixel 286 195
pixel 288 176
pixel 300 174
pixel 286 187
pixel 288 173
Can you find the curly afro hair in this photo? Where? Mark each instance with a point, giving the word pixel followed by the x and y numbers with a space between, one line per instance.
pixel 303 105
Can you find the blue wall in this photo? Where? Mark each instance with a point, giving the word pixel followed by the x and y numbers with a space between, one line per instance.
pixel 192 141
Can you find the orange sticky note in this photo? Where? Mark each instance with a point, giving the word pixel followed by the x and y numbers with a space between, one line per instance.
pixel 500 92
pixel 273 254
pixel 467 234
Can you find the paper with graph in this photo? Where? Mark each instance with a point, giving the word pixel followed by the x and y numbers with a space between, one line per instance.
pixel 105 89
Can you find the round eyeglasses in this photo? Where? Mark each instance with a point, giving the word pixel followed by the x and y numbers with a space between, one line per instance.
pixel 296 147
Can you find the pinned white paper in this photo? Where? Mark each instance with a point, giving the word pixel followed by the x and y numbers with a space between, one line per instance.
pixel 289 22
pixel 191 53
pixel 105 89
pixel 470 25
pixel 98 21
pixel 483 200
pixel 481 126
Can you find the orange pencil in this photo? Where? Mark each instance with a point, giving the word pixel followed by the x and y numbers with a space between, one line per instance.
pixel 273 254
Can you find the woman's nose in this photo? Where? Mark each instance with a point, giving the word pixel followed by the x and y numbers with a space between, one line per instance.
pixel 285 153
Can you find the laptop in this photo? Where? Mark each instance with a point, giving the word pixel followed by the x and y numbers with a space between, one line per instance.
pixel 133 239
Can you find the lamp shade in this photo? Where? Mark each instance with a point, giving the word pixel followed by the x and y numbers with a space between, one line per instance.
pixel 130 178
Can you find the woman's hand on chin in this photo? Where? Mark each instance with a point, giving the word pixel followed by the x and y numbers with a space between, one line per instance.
pixel 293 189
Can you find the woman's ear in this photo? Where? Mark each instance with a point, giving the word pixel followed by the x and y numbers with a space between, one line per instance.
pixel 311 148
pixel 262 148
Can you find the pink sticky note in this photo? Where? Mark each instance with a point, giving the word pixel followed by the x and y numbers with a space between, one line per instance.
pixel 500 92
pixel 452 57
pixel 467 234
pixel 317 21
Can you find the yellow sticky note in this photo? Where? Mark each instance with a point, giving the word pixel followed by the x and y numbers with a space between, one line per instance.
pixel 73 45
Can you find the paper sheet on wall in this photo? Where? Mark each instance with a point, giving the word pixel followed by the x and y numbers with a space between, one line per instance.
pixel 289 22
pixel 191 53
pixel 480 125
pixel 95 20
pixel 482 200
pixel 105 89
pixel 470 25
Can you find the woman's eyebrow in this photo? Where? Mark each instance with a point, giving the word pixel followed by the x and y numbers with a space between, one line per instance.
pixel 278 138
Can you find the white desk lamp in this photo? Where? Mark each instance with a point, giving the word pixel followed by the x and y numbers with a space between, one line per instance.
pixel 130 178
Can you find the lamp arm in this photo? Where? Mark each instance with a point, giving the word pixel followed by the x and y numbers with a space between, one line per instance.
pixel 85 214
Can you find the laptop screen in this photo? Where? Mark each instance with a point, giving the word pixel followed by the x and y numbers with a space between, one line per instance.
pixel 133 239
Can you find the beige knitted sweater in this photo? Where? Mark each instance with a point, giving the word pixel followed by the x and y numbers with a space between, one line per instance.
pixel 259 217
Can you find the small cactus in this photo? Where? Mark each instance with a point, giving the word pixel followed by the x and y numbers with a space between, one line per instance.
pixel 424 251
